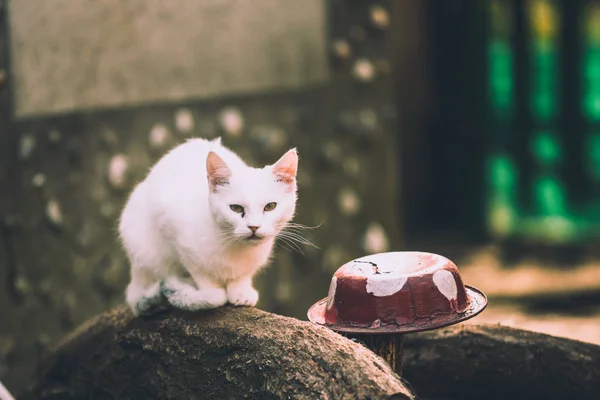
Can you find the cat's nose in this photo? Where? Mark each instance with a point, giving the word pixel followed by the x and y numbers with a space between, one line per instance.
pixel 253 228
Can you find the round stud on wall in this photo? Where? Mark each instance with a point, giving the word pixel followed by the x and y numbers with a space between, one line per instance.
pixel 363 70
pixel 184 121
pixel 375 239
pixel 368 120
pixel 109 136
pixel 159 136
pixel 108 210
pixel 26 146
pixel 54 136
pixel 38 180
pixel 351 166
pixel 231 121
pixel 23 286
pixel 85 235
pixel 54 213
pixel 341 49
pixel 118 168
pixel 379 17
pixel 349 202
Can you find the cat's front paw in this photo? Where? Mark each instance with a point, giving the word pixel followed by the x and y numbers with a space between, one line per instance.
pixel 242 295
pixel 186 297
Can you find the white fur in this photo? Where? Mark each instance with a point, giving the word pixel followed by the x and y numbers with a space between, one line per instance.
pixel 177 223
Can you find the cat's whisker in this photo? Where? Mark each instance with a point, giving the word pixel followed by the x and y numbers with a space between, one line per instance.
pixel 297 238
pixel 227 238
pixel 289 244
pixel 297 226
pixel 302 226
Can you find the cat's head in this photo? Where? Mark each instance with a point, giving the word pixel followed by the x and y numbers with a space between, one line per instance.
pixel 251 204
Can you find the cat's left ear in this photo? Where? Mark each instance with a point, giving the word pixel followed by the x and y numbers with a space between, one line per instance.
pixel 286 168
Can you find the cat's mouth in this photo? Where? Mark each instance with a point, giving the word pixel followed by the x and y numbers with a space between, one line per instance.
pixel 254 238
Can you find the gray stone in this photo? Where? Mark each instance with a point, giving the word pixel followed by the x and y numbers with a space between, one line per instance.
pixel 349 202
pixel 341 49
pixel 54 136
pixel 159 136
pixel 23 286
pixel 363 70
pixel 108 210
pixel 87 235
pixel 351 166
pixel 26 146
pixel 184 121
pixel 379 17
pixel 118 168
pixel 54 213
pixel 110 137
pixel 38 180
pixel 368 119
pixel 113 53
pixel 375 239
pixel 231 121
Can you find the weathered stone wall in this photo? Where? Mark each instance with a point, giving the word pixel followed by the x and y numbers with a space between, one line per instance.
pixel 64 178
pixel 110 53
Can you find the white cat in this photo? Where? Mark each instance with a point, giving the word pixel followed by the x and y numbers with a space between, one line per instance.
pixel 202 212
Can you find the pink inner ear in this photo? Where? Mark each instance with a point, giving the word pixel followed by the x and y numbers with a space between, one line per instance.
pixel 285 169
pixel 217 170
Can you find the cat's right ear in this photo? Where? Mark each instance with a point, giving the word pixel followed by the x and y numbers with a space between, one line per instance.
pixel 218 172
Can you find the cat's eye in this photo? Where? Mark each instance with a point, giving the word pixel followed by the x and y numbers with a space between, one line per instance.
pixel 237 208
pixel 270 206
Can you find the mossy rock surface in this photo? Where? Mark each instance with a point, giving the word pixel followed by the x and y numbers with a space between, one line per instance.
pixel 227 353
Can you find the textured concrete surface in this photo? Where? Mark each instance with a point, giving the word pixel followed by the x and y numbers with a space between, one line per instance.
pixel 109 53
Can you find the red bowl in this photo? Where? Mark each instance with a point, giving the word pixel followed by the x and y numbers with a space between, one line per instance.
pixel 397 292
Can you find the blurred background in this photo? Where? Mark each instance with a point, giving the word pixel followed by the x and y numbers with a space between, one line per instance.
pixel 467 128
